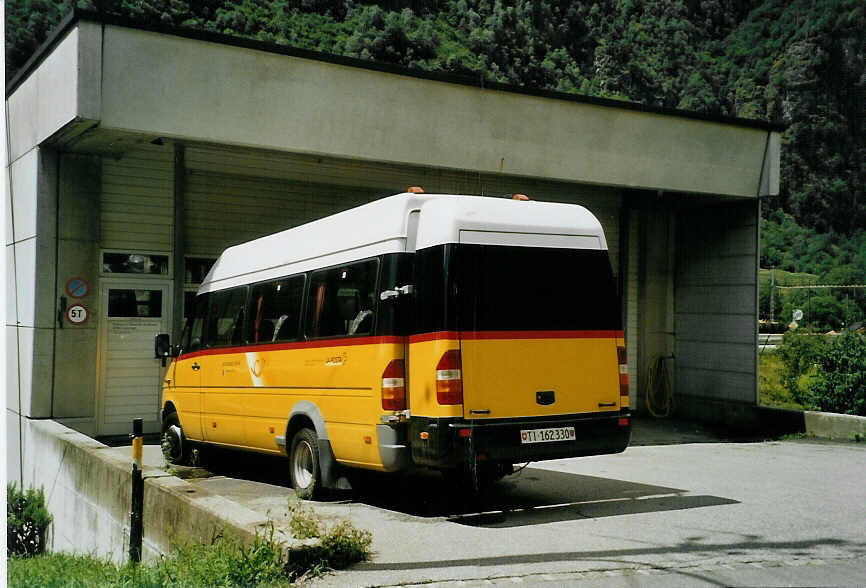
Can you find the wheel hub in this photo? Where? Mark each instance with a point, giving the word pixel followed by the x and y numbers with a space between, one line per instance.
pixel 172 443
pixel 302 461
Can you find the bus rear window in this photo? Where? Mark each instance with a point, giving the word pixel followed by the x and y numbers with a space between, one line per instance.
pixel 523 288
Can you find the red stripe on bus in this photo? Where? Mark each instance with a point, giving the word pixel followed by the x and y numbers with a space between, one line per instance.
pixel 435 336
pixel 395 340
pixel 484 335
pixel 338 342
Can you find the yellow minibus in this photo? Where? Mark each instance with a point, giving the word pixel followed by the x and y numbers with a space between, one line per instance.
pixel 461 333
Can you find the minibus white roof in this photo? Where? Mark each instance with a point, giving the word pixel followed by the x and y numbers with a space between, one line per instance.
pixel 382 227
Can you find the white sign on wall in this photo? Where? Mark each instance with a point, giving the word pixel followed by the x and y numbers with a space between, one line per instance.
pixel 77 314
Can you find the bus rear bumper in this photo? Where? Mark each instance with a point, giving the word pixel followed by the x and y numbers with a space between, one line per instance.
pixel 451 442
pixel 393 449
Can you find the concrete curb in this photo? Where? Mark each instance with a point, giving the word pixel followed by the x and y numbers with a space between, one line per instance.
pixel 831 425
pixel 174 510
pixel 823 425
pixel 88 489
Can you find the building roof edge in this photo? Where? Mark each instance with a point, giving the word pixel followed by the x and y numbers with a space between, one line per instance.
pixel 76 15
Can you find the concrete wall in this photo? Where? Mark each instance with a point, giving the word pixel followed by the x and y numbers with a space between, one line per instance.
pixel 716 310
pixel 87 488
pixel 167 86
pixel 656 266
pixel 78 250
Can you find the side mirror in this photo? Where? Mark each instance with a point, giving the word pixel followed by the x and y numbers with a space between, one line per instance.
pixel 162 347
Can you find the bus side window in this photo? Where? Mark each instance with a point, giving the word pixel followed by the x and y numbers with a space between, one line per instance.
pixel 342 300
pixel 192 331
pixel 274 310
pixel 225 317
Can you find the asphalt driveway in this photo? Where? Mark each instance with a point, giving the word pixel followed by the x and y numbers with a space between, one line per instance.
pixel 699 511
pixel 684 507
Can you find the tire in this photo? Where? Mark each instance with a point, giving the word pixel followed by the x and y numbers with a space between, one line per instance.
pixel 175 448
pixel 304 464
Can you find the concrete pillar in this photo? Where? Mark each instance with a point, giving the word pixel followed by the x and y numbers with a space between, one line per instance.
pixel 717 311
pixel 31 258
pixel 76 346
pixel 31 247
pixel 656 293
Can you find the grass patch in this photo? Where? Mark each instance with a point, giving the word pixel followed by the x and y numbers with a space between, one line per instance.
pixel 60 569
pixel 784 278
pixel 222 562
pixel 771 390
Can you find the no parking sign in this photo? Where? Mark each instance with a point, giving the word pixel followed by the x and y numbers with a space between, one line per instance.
pixel 77 287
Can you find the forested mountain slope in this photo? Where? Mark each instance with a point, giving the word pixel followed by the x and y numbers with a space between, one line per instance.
pixel 799 62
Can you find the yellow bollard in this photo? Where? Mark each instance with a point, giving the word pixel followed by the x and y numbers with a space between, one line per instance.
pixel 136 530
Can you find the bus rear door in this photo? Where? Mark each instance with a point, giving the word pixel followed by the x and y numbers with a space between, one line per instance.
pixel 538 331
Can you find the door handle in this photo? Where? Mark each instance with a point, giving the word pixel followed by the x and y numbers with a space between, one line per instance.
pixel 195 367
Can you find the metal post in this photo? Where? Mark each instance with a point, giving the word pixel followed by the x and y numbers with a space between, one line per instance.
pixel 179 243
pixel 135 515
pixel 847 322
pixel 772 290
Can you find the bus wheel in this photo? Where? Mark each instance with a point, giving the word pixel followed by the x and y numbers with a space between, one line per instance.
pixel 175 448
pixel 304 464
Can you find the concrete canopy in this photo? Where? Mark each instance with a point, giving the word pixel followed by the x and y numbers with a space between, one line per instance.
pixel 236 122
pixel 136 85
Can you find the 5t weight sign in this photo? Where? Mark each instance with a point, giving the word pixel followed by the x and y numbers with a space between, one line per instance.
pixel 77 314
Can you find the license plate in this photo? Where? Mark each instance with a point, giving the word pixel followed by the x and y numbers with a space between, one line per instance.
pixel 547 435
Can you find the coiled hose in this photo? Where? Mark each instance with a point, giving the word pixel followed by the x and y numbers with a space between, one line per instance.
pixel 659 395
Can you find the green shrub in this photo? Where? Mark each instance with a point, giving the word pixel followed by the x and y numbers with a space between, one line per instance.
pixel 345 544
pixel 772 392
pixel 303 522
pixel 800 352
pixel 840 382
pixel 341 544
pixel 27 521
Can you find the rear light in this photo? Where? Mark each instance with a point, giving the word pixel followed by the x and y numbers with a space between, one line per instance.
pixel 415 190
pixel 449 378
pixel 394 386
pixel 623 372
pixel 622 421
pixel 519 197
